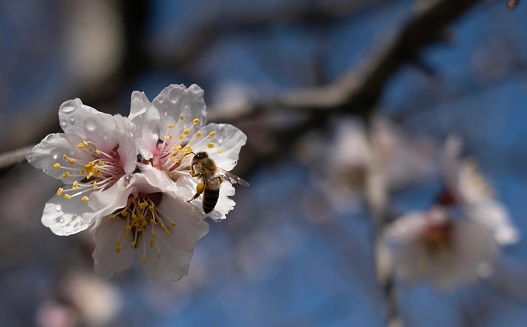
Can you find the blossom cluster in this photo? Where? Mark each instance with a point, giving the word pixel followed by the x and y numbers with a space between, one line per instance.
pixel 458 239
pixel 129 179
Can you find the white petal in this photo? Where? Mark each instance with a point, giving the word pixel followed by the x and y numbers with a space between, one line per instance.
pixel 227 143
pixel 175 102
pixel 89 124
pixel 51 151
pixel 146 117
pixel 171 265
pixel 107 261
pixel 66 217
pixel 127 147
pixel 190 225
pixel 494 215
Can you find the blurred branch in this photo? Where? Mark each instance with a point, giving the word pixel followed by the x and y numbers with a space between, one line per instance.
pixel 11 158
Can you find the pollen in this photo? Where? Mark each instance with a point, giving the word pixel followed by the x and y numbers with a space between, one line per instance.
pixel 65 157
pixel 57 165
pixel 198 133
pixel 66 174
pixel 158 254
pixel 75 185
pixel 181 117
pixel 94 185
pixel 186 131
pixel 67 196
pixel 143 260
pixel 176 148
pixel 168 137
pixel 181 137
pixel 59 191
pixel 171 125
pixel 211 134
pixel 80 145
pixel 151 243
pixel 210 145
pixel 84 198
pixel 118 249
pixel 219 150
pixel 111 217
pixel 195 121
pixel 72 161
pixel 173 223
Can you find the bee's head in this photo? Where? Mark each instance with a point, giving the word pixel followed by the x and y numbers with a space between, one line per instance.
pixel 201 155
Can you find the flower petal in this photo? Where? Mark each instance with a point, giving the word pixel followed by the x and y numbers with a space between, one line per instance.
pixel 127 146
pixel 108 237
pixel 51 151
pixel 89 124
pixel 66 217
pixel 145 116
pixel 180 106
pixel 494 215
pixel 223 146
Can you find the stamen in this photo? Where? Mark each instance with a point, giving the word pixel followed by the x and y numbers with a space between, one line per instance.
pixel 57 165
pixel 195 121
pixel 186 131
pixel 181 117
pixel 67 196
pixel 84 198
pixel 210 145
pixel 211 134
pixel 219 150
pixel 198 133
pixel 59 191
pixel 171 125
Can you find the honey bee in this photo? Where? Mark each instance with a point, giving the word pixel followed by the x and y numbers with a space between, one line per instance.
pixel 211 177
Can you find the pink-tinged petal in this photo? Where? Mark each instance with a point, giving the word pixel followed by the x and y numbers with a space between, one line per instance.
pixel 181 106
pixel 222 142
pixel 51 150
pixel 146 117
pixel 67 217
pixel 106 202
pixel 112 252
pixel 89 124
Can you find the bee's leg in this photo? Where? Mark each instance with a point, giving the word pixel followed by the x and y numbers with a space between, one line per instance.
pixel 199 189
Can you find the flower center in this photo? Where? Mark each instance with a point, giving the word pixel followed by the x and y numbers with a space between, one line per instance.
pixel 142 215
pixel 439 237
pixel 97 174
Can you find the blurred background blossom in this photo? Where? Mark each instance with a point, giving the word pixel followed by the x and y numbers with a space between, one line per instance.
pixel 299 247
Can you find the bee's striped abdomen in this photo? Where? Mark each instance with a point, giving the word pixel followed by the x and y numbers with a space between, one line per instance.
pixel 210 198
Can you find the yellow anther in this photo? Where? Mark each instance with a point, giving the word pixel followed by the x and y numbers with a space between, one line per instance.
pixel 124 213
pixel 111 217
pixel 65 157
pixel 210 145
pixel 85 142
pixel 181 117
pixel 118 242
pixel 198 133
pixel 66 174
pixel 186 131
pixel 168 137
pixel 211 134
pixel 133 243
pixel 75 185
pixel 97 151
pixel 173 223
pixel 167 232
pixel 57 165
pixel 84 198
pixel 154 234
pixel 195 121
pixel 72 161
pixel 143 260
pixel 90 148
pixel 128 227
pixel 219 150
pixel 80 145
pixel 94 185
pixel 171 125
pixel 118 249
pixel 151 243
pixel 143 205
pixel 181 137
pixel 67 196
pixel 59 191
pixel 158 254
pixel 176 148
pixel 126 236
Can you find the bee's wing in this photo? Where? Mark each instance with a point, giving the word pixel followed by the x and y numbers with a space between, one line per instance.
pixel 231 178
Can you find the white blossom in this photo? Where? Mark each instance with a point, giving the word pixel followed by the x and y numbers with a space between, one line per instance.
pixel 173 127
pixel 93 153
pixel 143 216
pixel 433 247
pixel 468 188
